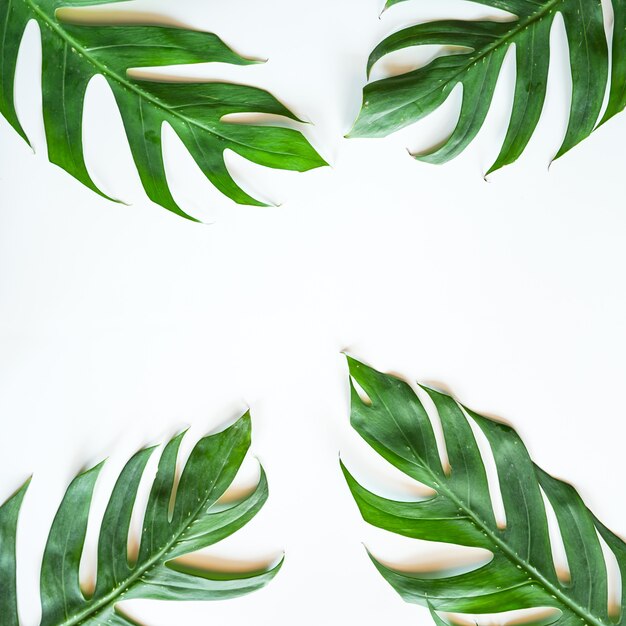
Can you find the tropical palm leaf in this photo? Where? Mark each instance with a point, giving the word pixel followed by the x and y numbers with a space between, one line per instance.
pixel 73 54
pixel 180 517
pixel 521 573
pixel 393 103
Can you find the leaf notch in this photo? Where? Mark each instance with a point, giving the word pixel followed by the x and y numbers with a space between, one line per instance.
pixel 521 573
pixel 194 522
pixel 74 53
pixel 393 103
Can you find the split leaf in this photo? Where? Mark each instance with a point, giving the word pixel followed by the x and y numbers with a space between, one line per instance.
pixel 475 63
pixel 74 53
pixel 521 573
pixel 181 517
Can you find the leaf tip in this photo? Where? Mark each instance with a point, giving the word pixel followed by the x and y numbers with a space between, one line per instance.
pixel 21 491
pixel 343 467
pixel 358 130
pixel 242 424
pixel 353 364
pixel 349 478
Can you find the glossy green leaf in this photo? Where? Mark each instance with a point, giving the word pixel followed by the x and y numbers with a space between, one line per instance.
pixel 9 512
pixel 180 518
pixel 73 54
pixel 521 573
pixel 393 103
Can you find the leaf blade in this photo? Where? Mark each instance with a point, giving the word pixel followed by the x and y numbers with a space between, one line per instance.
pixel 181 517
pixel 61 595
pixel 9 513
pixel 74 53
pixel 521 573
pixel 398 101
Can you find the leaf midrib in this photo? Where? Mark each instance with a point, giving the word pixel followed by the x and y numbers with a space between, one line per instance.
pixel 139 571
pixel 442 489
pixel 512 555
pixel 114 76
pixel 520 25
pixel 118 593
pixel 110 599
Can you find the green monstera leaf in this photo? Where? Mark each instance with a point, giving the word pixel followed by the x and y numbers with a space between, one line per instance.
pixel 74 53
pixel 181 517
pixel 521 573
pixel 393 103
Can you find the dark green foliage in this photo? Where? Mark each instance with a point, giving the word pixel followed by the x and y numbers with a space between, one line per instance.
pixel 74 54
pixel 171 529
pixel 521 573
pixel 393 103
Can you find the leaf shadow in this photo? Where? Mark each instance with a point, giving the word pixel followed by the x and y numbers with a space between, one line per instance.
pixel 101 16
pixel 213 563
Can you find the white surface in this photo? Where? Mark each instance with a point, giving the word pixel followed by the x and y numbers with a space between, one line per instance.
pixel 119 324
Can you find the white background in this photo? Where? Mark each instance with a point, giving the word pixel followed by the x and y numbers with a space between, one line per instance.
pixel 121 324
